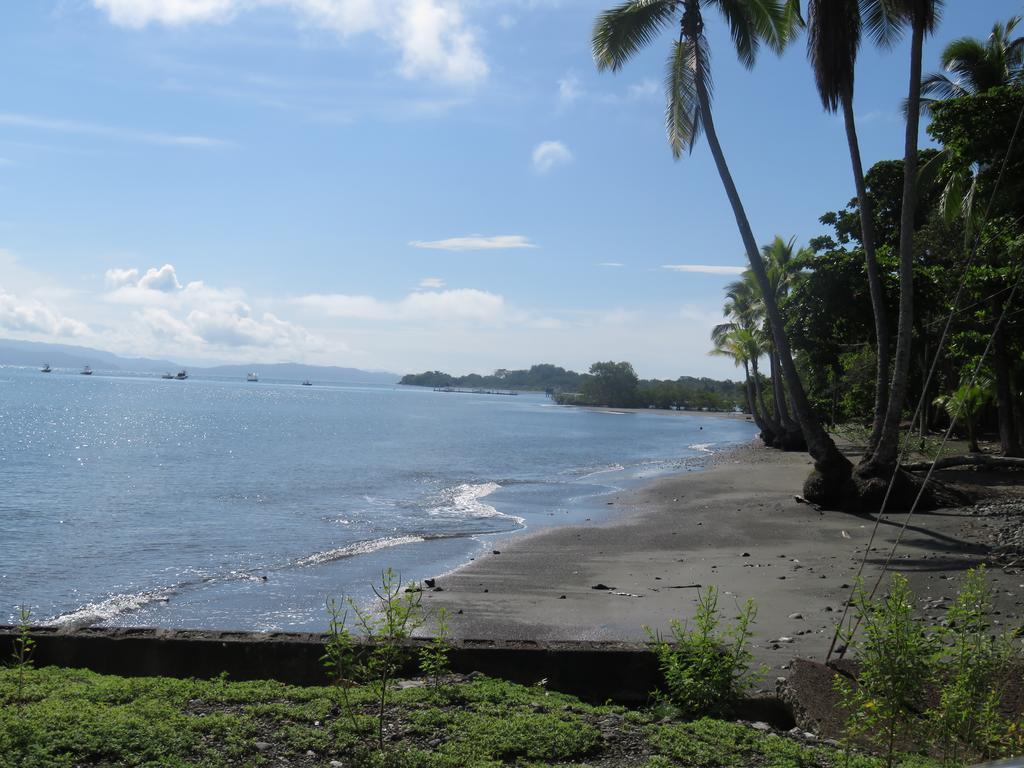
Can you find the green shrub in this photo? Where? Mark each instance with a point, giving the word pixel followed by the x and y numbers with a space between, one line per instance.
pixel 706 669
pixel 970 667
pixel 895 658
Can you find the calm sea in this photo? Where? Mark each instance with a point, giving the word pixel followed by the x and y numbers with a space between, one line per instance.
pixel 134 501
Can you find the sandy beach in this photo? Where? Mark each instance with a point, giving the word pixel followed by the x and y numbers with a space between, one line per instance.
pixel 735 525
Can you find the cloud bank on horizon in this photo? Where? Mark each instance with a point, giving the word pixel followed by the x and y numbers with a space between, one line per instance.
pixel 153 311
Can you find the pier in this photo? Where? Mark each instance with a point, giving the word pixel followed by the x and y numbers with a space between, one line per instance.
pixel 460 391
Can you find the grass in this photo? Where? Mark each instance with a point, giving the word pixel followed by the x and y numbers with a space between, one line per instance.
pixel 79 718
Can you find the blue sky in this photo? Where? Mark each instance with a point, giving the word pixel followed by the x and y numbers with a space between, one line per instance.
pixel 395 184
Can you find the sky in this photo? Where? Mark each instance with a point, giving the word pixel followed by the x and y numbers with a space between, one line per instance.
pixel 399 185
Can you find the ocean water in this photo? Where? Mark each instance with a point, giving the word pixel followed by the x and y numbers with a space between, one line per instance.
pixel 206 503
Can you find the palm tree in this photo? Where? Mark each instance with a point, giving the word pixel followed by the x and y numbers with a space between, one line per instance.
pixel 743 333
pixel 922 17
pixel 966 402
pixel 778 257
pixel 742 346
pixel 833 41
pixel 622 31
pixel 977 66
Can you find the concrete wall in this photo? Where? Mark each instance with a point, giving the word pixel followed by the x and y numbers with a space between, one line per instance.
pixel 596 672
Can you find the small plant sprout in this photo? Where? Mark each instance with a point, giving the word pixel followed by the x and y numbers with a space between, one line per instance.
pixel 385 625
pixel 434 661
pixel 340 658
pixel 21 657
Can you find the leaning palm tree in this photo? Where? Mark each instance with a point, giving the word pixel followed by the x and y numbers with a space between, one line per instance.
pixel 921 16
pixel 619 34
pixel 833 41
pixel 977 66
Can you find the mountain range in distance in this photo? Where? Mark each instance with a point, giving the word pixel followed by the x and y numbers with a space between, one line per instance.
pixel 34 353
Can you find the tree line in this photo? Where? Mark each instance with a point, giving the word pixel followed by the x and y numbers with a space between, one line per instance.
pixel 613 384
pixel 856 319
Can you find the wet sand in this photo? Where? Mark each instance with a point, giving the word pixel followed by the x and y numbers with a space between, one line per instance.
pixel 735 525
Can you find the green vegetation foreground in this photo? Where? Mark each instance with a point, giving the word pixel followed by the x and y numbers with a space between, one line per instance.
pixel 75 717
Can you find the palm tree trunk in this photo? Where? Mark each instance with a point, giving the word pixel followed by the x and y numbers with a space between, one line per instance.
pixel 776 387
pixel 833 467
pixel 867 238
pixel 751 402
pixel 1009 440
pixel 888 443
pixel 769 424
pixel 780 394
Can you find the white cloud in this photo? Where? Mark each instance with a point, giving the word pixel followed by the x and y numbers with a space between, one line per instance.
pixel 704 269
pixel 433 37
pixel 167 327
pixel 139 13
pixel 610 264
pixel 569 89
pixel 239 329
pixel 419 306
pixel 346 306
pixel 118 278
pixel 549 154
pixel 476 243
pixel 164 279
pixel 108 131
pixel 199 317
pixel 432 283
pixel 30 315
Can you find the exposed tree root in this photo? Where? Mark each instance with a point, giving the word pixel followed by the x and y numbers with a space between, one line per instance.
pixel 869 481
pixel 828 483
pixel 836 485
pixel 972 459
pixel 789 441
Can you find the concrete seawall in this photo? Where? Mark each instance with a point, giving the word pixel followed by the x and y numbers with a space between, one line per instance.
pixel 594 671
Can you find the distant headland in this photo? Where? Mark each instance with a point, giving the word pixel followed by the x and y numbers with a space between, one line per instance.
pixel 613 384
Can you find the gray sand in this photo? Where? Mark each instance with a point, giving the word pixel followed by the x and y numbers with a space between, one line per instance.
pixel 695 528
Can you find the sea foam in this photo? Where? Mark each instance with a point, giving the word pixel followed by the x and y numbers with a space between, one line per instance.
pixel 357 548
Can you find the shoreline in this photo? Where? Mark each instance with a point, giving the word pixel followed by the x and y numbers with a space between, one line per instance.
pixel 664 412
pixel 736 525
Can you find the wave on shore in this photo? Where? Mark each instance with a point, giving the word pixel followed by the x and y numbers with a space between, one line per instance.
pixel 464 501
pixel 111 607
pixel 357 548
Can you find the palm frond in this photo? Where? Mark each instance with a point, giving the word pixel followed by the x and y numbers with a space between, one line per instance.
pixel 752 22
pixel 981 65
pixel 939 87
pixel 682 111
pixel 622 31
pixel 884 21
pixel 833 39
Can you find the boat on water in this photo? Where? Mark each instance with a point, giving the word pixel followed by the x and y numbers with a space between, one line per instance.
pixel 307 383
pixel 251 377
pixel 86 371
pixel 46 368
pixel 167 375
pixel 181 375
